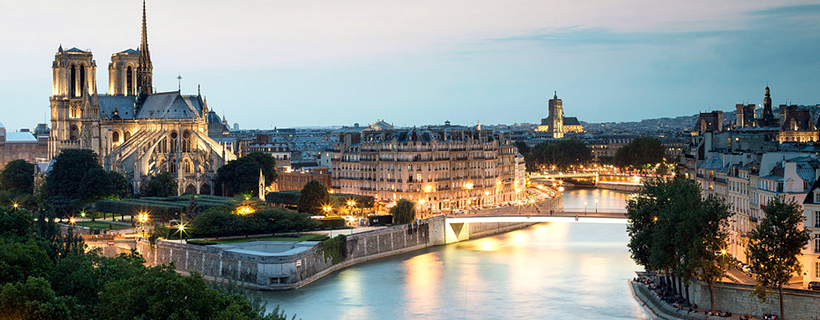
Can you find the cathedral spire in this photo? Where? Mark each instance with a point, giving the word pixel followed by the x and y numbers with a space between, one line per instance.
pixel 145 67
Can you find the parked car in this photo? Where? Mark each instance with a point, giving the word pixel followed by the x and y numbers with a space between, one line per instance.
pixel 814 285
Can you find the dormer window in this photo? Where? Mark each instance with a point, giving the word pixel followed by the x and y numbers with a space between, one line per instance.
pixel 817 196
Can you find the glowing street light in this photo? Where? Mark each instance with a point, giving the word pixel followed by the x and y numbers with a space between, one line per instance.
pixel 327 209
pixel 16 205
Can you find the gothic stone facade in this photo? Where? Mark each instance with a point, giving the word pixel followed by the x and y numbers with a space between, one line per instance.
pixel 133 130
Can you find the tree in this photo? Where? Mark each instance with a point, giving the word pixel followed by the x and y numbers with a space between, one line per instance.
pixel 522 147
pixel 774 247
pixel 672 229
pixel 710 228
pixel 161 185
pixel 18 177
pixel 119 185
pixel 242 175
pixel 64 181
pixel 313 197
pixel 562 154
pixel 95 185
pixel 640 152
pixel 403 212
pixel 65 178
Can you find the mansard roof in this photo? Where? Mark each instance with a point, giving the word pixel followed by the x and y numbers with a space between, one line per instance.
pixel 129 50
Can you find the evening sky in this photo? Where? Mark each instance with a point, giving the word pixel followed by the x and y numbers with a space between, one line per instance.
pixel 270 64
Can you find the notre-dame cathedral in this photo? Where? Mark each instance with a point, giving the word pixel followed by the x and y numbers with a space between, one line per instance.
pixel 133 129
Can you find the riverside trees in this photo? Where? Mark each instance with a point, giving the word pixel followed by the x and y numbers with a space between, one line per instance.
pixel 46 276
pixel 675 231
pixel 774 247
pixel 561 154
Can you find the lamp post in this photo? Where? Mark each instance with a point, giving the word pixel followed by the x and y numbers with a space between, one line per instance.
pixel 596 205
pixel 585 208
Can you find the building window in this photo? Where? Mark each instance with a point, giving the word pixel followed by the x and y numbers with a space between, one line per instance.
pixel 817 270
pixel 817 219
pixel 817 243
pixel 129 81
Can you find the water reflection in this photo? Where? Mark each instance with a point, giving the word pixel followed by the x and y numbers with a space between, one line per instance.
pixel 608 200
pixel 547 271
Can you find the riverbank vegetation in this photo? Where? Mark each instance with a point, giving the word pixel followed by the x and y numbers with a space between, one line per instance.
pixel 561 155
pixel 675 231
pixel 45 275
pixel 223 221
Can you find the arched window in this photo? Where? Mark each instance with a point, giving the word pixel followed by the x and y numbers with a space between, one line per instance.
pixel 72 84
pixel 189 168
pixel 82 81
pixel 205 189
pixel 129 81
pixel 173 145
pixel 115 137
pixel 190 189
pixel 127 136
pixel 186 141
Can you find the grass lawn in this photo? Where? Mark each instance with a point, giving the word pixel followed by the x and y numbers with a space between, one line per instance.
pixel 306 237
pixel 102 225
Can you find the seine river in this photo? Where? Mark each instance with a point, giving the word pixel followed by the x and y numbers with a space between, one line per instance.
pixel 547 271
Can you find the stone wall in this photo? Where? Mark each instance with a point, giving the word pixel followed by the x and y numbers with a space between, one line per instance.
pixel 737 298
pixel 258 270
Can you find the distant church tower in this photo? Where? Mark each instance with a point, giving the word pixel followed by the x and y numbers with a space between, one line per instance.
pixel 73 83
pixel 768 119
pixel 145 68
pixel 556 117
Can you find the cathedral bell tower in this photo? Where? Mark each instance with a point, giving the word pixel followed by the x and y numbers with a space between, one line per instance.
pixel 556 117
pixel 74 84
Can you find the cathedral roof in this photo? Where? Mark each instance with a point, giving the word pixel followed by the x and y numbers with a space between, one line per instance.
pixel 571 121
pixel 124 105
pixel 129 51
pixel 74 49
pixel 168 105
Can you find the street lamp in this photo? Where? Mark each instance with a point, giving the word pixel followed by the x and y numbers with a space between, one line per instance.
pixel 16 205
pixel 143 218
pixel 585 208
pixel 596 205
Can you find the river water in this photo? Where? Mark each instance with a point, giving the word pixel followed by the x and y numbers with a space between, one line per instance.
pixel 547 271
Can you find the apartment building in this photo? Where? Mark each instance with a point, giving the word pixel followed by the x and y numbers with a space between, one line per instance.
pixel 438 167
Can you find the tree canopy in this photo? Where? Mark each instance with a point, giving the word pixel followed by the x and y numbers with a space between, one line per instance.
pixel 403 212
pixel 313 197
pixel 18 177
pixel 774 247
pixel 562 154
pixel 242 175
pixel 40 279
pixel 640 152
pixel 76 178
pixel 674 230
pixel 161 185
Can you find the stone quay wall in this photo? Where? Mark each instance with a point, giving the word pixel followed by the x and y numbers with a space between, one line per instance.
pixel 737 298
pixel 264 271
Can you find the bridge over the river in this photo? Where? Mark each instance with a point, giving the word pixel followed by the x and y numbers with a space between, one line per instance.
pixel 466 226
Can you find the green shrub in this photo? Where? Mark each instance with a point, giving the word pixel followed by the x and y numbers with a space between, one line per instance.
pixel 332 223
pixel 221 221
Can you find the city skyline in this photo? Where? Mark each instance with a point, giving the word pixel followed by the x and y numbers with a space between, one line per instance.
pixel 427 62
